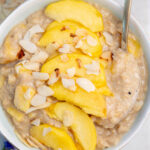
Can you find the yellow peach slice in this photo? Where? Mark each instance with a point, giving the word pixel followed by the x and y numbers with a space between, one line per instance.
pixel 78 11
pixel 78 61
pixel 92 103
pixel 134 46
pixel 23 97
pixel 55 138
pixel 70 32
pixel 19 116
pixel 79 122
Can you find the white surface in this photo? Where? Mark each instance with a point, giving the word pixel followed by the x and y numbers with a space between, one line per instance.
pixel 141 10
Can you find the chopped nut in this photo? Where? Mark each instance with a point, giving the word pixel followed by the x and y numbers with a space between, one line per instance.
pixel 63 28
pixel 20 54
pixel 72 35
pixel 57 72
pixel 79 62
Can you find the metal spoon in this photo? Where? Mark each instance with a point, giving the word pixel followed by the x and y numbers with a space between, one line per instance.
pixel 125 28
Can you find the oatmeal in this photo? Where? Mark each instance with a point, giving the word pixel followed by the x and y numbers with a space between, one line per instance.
pixel 65 83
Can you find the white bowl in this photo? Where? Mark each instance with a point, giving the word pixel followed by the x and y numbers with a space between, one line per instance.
pixel 31 6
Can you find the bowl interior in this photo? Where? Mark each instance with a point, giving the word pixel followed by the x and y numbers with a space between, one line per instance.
pixel 31 6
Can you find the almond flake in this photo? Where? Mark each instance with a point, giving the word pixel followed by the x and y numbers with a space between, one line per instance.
pixel 79 44
pixel 39 57
pixel 53 78
pixel 91 41
pixel 109 38
pixel 35 29
pixel 85 84
pixel 39 83
pixel 68 118
pixel 36 122
pixel 46 131
pixel 69 84
pixel 32 66
pixel 40 75
pixel 45 91
pixel 38 100
pixel 17 68
pixel 28 94
pixel 52 47
pixel 31 109
pixel 64 57
pixel 28 46
pixel 65 49
pixel 71 72
pixel 93 68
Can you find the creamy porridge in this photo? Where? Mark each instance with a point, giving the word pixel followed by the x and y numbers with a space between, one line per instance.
pixel 65 83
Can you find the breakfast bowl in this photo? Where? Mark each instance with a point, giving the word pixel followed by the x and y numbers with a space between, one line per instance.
pixel 31 6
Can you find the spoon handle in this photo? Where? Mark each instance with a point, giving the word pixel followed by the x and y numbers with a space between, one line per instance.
pixel 125 27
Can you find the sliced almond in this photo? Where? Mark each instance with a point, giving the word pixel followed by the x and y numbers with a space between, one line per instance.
pixel 93 68
pixel 40 76
pixel 109 38
pixel 85 84
pixel 69 84
pixel 39 83
pixel 91 41
pixel 38 100
pixel 35 29
pixel 28 46
pixel 64 57
pixel 53 78
pixel 79 44
pixel 46 131
pixel 65 49
pixel 45 91
pixel 67 118
pixel 34 66
pixel 36 122
pixel 39 57
pixel 31 109
pixel 71 72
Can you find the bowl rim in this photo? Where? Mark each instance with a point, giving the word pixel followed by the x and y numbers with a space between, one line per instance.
pixel 4 131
